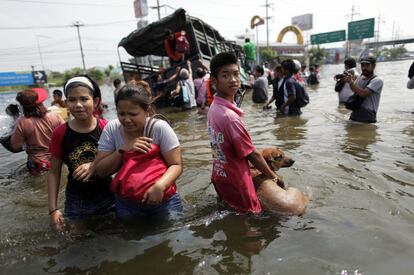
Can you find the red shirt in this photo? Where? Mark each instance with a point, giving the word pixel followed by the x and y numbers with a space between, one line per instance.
pixel 231 144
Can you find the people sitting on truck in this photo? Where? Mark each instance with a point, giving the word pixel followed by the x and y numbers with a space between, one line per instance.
pixel 181 44
pixel 170 48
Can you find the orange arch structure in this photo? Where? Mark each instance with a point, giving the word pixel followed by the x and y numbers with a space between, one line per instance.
pixel 256 21
pixel 295 30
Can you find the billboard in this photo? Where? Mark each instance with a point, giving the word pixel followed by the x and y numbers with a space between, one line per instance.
pixel 140 8
pixel 304 21
pixel 21 78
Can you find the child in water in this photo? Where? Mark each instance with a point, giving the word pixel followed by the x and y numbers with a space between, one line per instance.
pixel 75 144
pixel 146 155
pixel 231 143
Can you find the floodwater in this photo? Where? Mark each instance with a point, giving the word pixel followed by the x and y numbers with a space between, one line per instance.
pixel 360 219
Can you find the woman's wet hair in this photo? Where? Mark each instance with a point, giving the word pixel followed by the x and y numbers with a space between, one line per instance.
pixel 83 81
pixel 27 99
pixel 138 92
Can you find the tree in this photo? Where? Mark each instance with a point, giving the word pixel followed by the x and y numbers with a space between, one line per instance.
pixel 317 55
pixel 393 53
pixel 268 55
pixel 68 74
pixel 108 70
pixel 96 74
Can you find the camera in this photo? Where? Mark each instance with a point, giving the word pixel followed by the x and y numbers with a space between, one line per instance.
pixel 339 77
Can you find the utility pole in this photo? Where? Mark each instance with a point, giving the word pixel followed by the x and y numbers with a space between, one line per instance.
pixel 77 24
pixel 267 21
pixel 348 43
pixel 38 47
pixel 40 53
pixel 379 21
pixel 158 9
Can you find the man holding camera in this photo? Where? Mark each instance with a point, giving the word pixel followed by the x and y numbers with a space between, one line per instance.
pixel 341 86
pixel 369 87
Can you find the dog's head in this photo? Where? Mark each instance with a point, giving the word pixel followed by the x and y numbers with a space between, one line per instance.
pixel 276 158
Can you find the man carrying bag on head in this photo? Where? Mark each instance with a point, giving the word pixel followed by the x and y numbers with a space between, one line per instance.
pixel 367 89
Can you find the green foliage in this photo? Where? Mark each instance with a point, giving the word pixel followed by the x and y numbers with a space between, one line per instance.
pixel 94 73
pixel 268 55
pixel 108 70
pixel 393 53
pixel 55 78
pixel 71 73
pixel 317 55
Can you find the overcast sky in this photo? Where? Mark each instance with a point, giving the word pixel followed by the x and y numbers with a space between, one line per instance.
pixel 108 21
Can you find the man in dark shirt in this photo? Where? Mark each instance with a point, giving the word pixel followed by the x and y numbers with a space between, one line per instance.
pixel 289 91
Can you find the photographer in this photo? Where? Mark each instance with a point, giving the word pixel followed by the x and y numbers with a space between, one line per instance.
pixel 367 86
pixel 341 87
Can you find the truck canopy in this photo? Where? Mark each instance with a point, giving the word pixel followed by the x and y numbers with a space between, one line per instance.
pixel 149 40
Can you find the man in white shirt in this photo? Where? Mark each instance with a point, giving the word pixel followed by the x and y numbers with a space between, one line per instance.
pixel 341 87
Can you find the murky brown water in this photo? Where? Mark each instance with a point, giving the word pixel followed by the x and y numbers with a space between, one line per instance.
pixel 361 178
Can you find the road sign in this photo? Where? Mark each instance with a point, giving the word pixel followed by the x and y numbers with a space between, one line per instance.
pixel 15 79
pixel 361 29
pixel 328 37
pixel 39 77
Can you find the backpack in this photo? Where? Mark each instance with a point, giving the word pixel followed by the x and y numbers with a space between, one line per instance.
pixel 302 97
pixel 181 44
pixel 185 90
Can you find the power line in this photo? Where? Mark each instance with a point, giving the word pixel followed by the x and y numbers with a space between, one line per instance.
pixel 67 26
pixel 353 13
pixel 35 27
pixel 230 4
pixel 55 44
pixel 69 3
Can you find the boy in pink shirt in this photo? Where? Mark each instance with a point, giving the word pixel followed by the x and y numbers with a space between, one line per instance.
pixel 231 143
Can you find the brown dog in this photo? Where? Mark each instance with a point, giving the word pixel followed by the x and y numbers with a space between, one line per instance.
pixel 273 196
